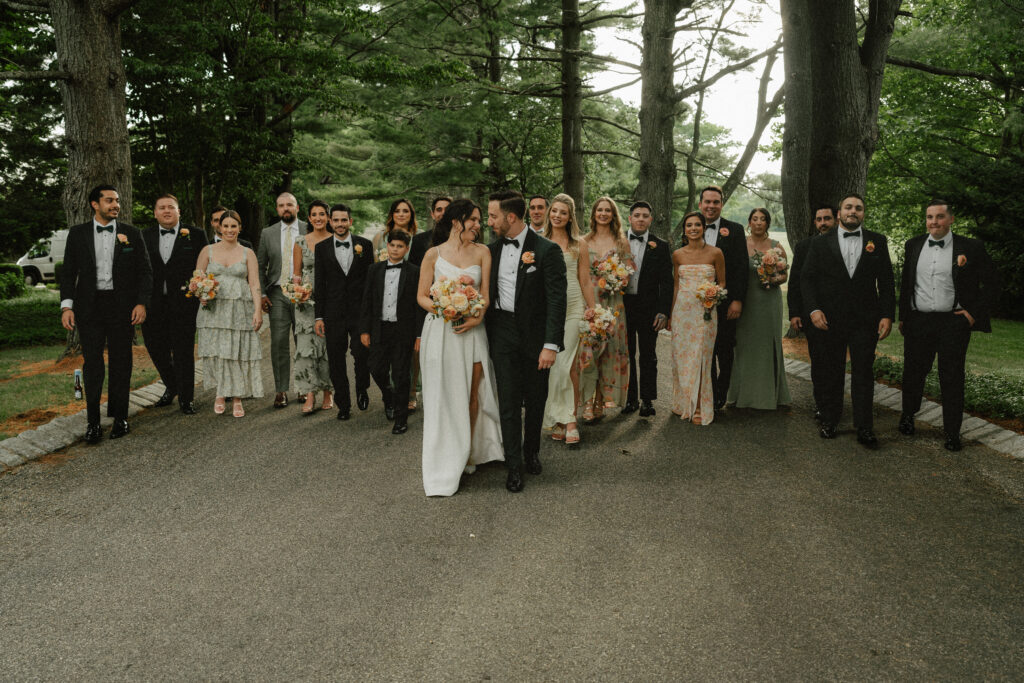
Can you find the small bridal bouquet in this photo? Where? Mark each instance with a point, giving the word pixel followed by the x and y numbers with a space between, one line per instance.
pixel 597 325
pixel 202 286
pixel 710 295
pixel 298 293
pixel 455 299
pixel 612 273
pixel 771 267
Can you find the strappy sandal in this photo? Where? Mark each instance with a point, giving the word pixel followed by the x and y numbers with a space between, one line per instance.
pixel 572 437
pixel 310 405
pixel 412 406
pixel 558 432
pixel 328 403
pixel 238 410
pixel 219 405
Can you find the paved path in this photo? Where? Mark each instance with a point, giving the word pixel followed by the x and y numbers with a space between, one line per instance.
pixel 288 547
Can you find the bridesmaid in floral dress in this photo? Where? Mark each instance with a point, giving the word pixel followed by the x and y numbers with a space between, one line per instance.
pixel 310 368
pixel 604 371
pixel 693 337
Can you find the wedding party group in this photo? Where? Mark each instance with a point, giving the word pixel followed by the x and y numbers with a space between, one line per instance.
pixel 547 327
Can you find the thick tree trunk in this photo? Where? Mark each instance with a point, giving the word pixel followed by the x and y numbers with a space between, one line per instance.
pixel 796 138
pixel 657 177
pixel 572 107
pixel 88 41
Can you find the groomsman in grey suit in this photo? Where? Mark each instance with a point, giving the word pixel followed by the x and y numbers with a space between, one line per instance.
pixel 274 256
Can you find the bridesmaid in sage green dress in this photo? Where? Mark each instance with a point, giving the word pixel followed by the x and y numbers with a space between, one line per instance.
pixel 310 368
pixel 759 373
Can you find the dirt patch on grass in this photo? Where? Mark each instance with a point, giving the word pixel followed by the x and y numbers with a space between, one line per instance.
pixel 37 417
pixel 140 359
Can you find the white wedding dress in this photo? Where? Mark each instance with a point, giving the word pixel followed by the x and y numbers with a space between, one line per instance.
pixel 446 366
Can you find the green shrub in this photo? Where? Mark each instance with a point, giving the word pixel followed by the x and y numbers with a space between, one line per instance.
pixel 12 285
pixel 57 268
pixel 31 319
pixel 11 268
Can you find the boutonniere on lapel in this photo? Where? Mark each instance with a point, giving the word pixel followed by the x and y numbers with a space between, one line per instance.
pixel 183 233
pixel 358 249
pixel 527 257
pixel 869 247
pixel 961 260
pixel 652 244
pixel 724 232
pixel 122 238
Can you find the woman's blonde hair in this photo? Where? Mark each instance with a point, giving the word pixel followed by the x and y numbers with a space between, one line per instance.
pixel 572 228
pixel 616 225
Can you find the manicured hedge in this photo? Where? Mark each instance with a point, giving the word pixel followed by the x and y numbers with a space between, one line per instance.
pixel 12 285
pixel 29 320
pixel 985 393
pixel 11 268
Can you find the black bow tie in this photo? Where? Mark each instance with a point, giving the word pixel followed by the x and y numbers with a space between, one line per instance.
pixel 165 231
pixel 936 243
pixel 105 228
pixel 392 265
pixel 514 243
pixel 638 238
pixel 343 245
pixel 855 233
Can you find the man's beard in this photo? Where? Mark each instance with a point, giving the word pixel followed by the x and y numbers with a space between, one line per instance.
pixel 287 217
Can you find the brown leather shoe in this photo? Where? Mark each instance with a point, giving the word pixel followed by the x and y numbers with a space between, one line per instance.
pixel 281 399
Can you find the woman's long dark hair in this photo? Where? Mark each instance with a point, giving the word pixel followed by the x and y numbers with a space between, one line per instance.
pixel 703 222
pixel 460 210
pixel 413 227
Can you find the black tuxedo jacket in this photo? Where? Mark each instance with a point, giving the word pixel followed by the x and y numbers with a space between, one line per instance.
pixel 794 296
pixel 337 296
pixel 734 250
pixel 974 283
pixel 410 313
pixel 419 247
pixel 826 285
pixel 133 275
pixel 654 286
pixel 177 271
pixel 540 292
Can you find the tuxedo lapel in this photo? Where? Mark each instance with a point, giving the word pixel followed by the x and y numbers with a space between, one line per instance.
pixel 90 248
pixel 958 251
pixel 529 242
pixel 495 247
pixel 833 245
pixel 911 257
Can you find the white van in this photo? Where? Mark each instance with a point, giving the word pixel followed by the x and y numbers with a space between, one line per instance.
pixel 39 262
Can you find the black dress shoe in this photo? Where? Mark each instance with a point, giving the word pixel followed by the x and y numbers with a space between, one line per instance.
pixel 93 433
pixel 344 414
pixel 119 429
pixel 165 400
pixel 867 438
pixel 952 443
pixel 906 426
pixel 630 407
pixel 827 431
pixel 817 416
pixel 400 428
pixel 533 463
pixel 362 400
pixel 281 400
pixel 389 411
pixel 188 408
pixel 514 481
pixel 720 405
pixel 647 410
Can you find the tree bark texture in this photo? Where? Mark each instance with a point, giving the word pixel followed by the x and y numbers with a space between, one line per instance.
pixel 833 85
pixel 572 107
pixel 88 41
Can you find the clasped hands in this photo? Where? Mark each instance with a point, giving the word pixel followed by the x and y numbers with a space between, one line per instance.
pixel 821 322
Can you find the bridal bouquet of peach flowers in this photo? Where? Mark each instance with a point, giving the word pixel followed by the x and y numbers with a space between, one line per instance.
pixel 612 273
pixel 455 299
pixel 710 294
pixel 771 267
pixel 298 293
pixel 597 325
pixel 202 286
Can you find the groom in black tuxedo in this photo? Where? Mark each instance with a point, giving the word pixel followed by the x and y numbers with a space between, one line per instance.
pixel 104 290
pixel 847 285
pixel 525 328
pixel 170 327
pixel 946 293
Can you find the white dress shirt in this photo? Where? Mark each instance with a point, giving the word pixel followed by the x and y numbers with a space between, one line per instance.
pixel 933 291
pixel 343 254
pixel 389 310
pixel 507 272
pixel 103 245
pixel 638 248
pixel 167 242
pixel 711 232
pixel 286 253
pixel 850 248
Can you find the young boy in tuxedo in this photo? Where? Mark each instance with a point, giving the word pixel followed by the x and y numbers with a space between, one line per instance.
pixel 390 326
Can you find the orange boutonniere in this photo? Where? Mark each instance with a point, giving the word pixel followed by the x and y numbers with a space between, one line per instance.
pixel 527 257
pixel 358 249
pixel 122 238
pixel 183 232
pixel 652 244
pixel 961 260
pixel 869 247
pixel 724 232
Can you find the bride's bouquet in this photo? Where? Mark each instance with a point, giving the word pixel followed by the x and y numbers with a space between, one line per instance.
pixel 710 295
pixel 597 325
pixel 298 293
pixel 202 286
pixel 612 273
pixel 771 267
pixel 455 299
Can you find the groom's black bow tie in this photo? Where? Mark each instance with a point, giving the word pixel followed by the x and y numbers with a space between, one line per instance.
pixel 166 231
pixel 936 243
pixel 514 243
pixel 638 238
pixel 855 233
pixel 343 245
pixel 105 228
pixel 392 265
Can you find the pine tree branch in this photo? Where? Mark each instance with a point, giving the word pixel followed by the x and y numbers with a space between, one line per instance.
pixel 603 152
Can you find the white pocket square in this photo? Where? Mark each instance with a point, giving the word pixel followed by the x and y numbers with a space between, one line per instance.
pixel 531 269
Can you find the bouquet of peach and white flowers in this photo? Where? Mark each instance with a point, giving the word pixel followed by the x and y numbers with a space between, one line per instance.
pixel 597 325
pixel 298 293
pixel 202 286
pixel 771 267
pixel 455 299
pixel 612 273
pixel 710 294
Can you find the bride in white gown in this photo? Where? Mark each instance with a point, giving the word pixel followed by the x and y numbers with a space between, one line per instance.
pixel 461 427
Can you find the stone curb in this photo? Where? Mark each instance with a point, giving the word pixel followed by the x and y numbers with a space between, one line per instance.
pixel 973 428
pixel 63 431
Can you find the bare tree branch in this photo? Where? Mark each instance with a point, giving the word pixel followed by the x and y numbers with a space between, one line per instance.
pixel 34 75
pixel 613 124
pixel 683 93
pixel 942 71
pixel 603 152
pixel 27 5
pixel 614 88
pixel 610 16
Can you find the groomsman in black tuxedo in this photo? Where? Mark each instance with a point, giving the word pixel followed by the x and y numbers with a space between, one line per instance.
pixel 799 316
pixel 525 326
pixel 390 327
pixel 847 285
pixel 648 302
pixel 537 206
pixel 340 268
pixel 104 290
pixel 728 237
pixel 946 293
pixel 215 215
pixel 423 240
pixel 170 327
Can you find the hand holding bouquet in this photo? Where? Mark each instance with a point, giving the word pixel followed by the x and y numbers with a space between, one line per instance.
pixel 298 293
pixel 612 273
pixel 710 295
pixel 456 299
pixel 202 286
pixel 597 325
pixel 771 267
